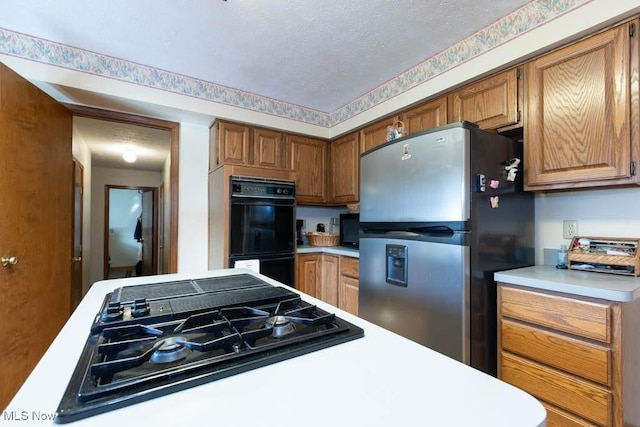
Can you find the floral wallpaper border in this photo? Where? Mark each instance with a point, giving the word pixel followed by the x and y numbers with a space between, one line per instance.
pixel 511 26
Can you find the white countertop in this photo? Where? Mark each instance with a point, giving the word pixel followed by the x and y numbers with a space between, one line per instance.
pixel 335 250
pixel 379 380
pixel 611 287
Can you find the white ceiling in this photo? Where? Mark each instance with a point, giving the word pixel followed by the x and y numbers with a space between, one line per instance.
pixel 316 55
pixel 108 141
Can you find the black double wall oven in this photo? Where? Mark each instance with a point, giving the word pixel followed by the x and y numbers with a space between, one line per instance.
pixel 262 225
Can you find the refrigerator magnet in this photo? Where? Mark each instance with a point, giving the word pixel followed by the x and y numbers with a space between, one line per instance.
pixel 494 201
pixel 494 183
pixel 512 168
pixel 405 152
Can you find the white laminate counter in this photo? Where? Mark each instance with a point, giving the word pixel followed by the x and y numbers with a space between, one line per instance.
pixel 611 287
pixel 335 250
pixel 381 379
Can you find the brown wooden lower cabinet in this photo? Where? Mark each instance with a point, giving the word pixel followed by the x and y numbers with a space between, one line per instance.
pixel 348 289
pixel 330 278
pixel 578 356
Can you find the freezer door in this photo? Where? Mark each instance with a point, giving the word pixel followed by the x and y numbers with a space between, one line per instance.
pixel 418 289
pixel 418 179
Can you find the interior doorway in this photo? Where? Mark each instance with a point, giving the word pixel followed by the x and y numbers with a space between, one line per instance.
pixel 131 231
pixel 167 238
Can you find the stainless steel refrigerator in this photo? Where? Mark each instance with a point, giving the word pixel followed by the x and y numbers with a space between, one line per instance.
pixel 440 212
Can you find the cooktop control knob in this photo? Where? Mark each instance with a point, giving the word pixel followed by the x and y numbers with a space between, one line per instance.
pixel 113 312
pixel 140 307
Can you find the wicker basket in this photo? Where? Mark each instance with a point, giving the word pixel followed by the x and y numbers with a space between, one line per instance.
pixel 322 239
pixel 353 208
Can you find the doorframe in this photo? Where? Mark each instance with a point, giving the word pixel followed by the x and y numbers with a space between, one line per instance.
pixel 77 273
pixel 154 244
pixel 174 129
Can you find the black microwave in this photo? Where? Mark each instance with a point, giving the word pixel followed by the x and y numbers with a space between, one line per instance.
pixel 350 230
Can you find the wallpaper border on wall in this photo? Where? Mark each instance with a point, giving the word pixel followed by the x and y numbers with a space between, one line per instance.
pixel 508 28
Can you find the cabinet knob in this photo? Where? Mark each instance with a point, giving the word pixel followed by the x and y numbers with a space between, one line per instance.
pixel 9 261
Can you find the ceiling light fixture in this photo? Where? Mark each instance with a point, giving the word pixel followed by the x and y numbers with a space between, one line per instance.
pixel 129 156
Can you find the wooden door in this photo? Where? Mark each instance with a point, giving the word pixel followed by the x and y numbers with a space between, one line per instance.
pixel 231 144
pixel 309 161
pixel 149 245
pixel 578 113
pixel 376 134
pixel 345 169
pixel 308 273
pixel 425 116
pixel 76 276
pixel 269 149
pixel 491 103
pixel 36 171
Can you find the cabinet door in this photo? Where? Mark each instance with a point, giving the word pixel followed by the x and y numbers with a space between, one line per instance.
pixel 425 116
pixel 232 143
pixel 308 273
pixel 269 149
pixel 345 169
pixel 578 105
pixel 491 103
pixel 309 161
pixel 328 290
pixel 375 134
pixel 348 295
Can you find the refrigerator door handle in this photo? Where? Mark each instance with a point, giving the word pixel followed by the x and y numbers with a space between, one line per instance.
pixel 417 233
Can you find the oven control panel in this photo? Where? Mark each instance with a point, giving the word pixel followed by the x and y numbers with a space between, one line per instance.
pixel 264 188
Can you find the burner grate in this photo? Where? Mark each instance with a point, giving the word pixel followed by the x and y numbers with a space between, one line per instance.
pixel 137 359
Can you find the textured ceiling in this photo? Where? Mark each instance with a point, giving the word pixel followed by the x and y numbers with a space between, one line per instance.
pixel 108 141
pixel 316 54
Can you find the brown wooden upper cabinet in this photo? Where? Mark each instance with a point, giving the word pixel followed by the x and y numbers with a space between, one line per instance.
pixel 582 112
pixel 228 143
pixel 345 169
pixel 235 143
pixel 376 133
pixel 269 149
pixel 425 116
pixel 491 103
pixel 309 161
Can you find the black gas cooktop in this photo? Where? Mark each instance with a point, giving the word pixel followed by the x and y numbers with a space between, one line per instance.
pixel 151 340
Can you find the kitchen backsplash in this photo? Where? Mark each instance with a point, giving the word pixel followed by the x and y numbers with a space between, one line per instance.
pixel 314 215
pixel 611 212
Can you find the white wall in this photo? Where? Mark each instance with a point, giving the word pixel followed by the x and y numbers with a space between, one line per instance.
pixel 611 212
pixel 314 215
pixel 193 217
pixel 101 177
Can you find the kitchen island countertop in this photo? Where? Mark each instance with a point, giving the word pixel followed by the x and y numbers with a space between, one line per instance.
pixel 611 287
pixel 381 379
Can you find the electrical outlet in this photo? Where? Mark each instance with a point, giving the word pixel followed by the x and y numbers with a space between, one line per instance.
pixel 569 228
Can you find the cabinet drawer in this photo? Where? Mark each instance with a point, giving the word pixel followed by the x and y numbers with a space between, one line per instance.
pixel 580 317
pixel 569 354
pixel 559 418
pixel 565 391
pixel 349 266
